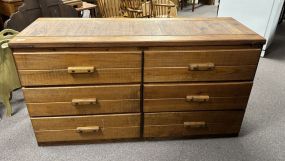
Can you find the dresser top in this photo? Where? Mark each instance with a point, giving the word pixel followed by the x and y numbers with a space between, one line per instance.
pixel 101 32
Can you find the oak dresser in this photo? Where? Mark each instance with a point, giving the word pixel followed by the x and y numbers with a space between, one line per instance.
pixel 114 79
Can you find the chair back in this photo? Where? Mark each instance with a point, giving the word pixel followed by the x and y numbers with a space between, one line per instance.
pixel 132 8
pixel 110 8
pixel 163 8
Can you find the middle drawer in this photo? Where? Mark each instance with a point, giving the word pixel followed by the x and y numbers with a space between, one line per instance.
pixel 196 96
pixel 61 101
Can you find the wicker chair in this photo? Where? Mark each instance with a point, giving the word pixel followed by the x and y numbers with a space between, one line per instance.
pixel 162 8
pixel 110 8
pixel 132 8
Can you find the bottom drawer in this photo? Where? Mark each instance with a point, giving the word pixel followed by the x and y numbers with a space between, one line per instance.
pixel 183 124
pixel 84 128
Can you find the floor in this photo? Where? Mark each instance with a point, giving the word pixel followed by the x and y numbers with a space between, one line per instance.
pixel 261 137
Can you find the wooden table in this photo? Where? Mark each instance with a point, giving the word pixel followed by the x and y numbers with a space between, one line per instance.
pixel 105 79
pixel 88 6
pixel 8 7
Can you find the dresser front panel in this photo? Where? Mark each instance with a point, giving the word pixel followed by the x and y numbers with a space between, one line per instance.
pixel 79 128
pixel 177 65
pixel 185 124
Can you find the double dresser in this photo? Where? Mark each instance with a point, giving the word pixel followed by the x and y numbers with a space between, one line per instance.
pixel 113 79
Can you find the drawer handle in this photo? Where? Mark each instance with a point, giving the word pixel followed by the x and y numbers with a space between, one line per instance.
pixel 89 101
pixel 80 70
pixel 195 124
pixel 204 98
pixel 201 67
pixel 89 129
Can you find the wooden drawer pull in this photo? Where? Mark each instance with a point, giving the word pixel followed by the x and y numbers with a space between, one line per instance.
pixel 89 129
pixel 80 70
pixel 200 98
pixel 89 101
pixel 195 124
pixel 201 67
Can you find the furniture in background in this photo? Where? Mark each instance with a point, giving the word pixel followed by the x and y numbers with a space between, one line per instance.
pixel 8 7
pixel 87 6
pixel 196 3
pixel 162 8
pixel 110 8
pixel 33 9
pixel 9 79
pixel 132 8
pixel 73 3
pixel 1 24
pixel 136 78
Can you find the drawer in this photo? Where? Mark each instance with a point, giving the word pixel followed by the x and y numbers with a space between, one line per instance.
pixel 183 124
pixel 36 60
pixel 67 94
pixel 30 78
pixel 74 68
pixel 60 101
pixel 201 65
pixel 69 109
pixel 91 127
pixel 196 96
pixel 219 57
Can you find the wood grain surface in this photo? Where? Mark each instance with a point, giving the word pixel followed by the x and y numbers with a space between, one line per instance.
pixel 172 124
pixel 66 94
pixel 72 122
pixel 102 135
pixel 160 91
pixel 46 32
pixel 220 57
pixel 67 109
pixel 181 104
pixel 183 74
pixel 40 60
pixel 62 77
pixel 65 128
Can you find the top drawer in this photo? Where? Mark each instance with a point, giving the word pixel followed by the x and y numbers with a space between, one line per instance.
pixel 200 65
pixel 74 68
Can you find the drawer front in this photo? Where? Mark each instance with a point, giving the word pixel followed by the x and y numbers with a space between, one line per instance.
pixel 74 68
pixel 92 127
pixel 183 124
pixel 196 96
pixel 69 109
pixel 73 136
pixel 63 77
pixel 68 94
pixel 201 65
pixel 64 59
pixel 182 58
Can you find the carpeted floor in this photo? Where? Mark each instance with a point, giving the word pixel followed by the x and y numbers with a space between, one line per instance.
pixel 261 137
